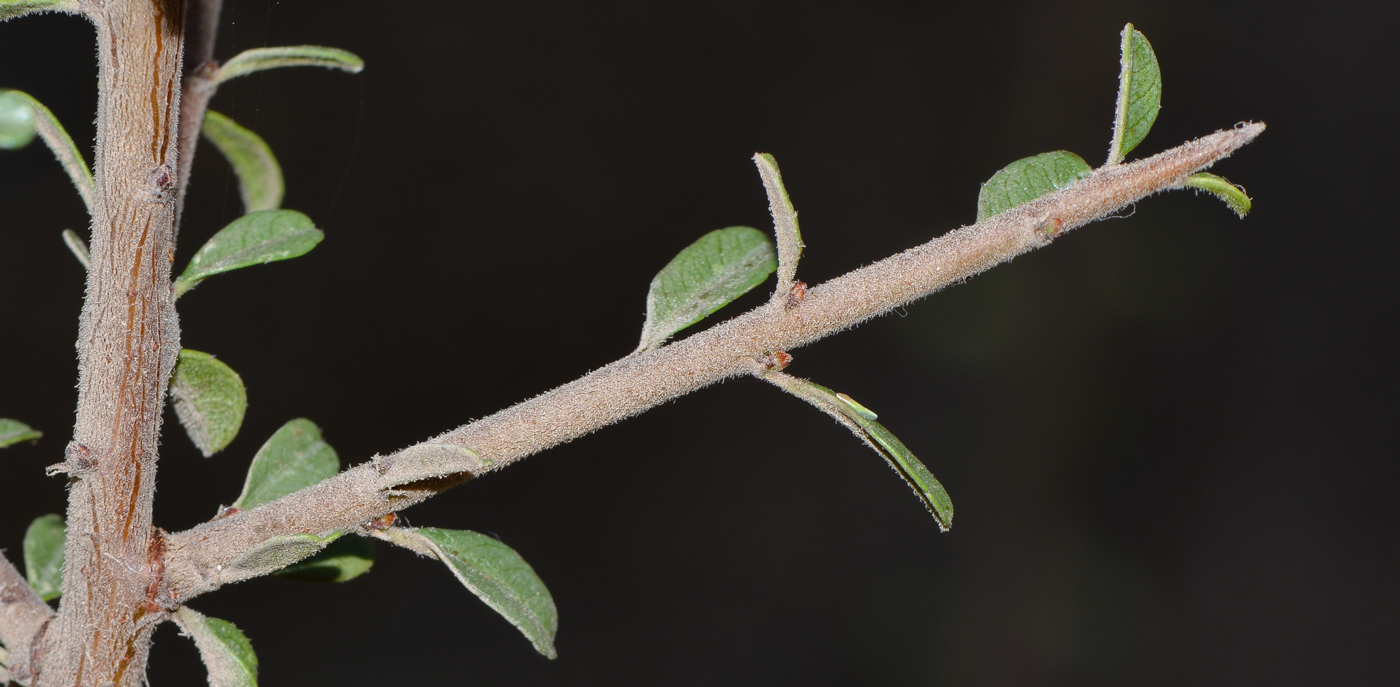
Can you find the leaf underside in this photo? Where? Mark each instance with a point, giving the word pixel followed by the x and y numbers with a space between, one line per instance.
pixel 225 650
pixel 785 228
pixel 10 9
pixel 253 239
pixel 259 59
pixel 14 432
pixel 16 119
pixel 259 176
pixel 343 560
pixel 43 555
pixel 209 400
pixel 723 265
pixel 496 574
pixel 1027 179
pixel 1139 94
pixel 293 458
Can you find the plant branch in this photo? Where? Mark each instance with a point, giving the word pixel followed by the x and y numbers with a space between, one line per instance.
pixel 22 616
pixel 201 559
pixel 202 27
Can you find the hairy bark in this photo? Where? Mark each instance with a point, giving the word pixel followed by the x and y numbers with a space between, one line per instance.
pixel 207 556
pixel 127 344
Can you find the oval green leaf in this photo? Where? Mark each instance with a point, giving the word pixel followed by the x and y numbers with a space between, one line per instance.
pixel 43 555
pixel 258 59
pixel 14 432
pixel 253 239
pixel 9 9
pixel 209 400
pixel 1027 179
pixel 295 457
pixel 1139 94
pixel 259 176
pixel 1233 196
pixel 723 265
pixel 344 559
pixel 495 573
pixel 225 650
pixel 40 120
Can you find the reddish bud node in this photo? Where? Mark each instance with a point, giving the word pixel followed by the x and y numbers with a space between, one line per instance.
pixel 383 522
pixel 796 294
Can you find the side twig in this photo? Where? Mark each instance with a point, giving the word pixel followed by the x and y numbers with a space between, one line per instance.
pixel 198 558
pixel 22 615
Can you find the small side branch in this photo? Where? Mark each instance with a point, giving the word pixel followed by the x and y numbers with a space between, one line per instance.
pixel 636 383
pixel 202 22
pixel 22 615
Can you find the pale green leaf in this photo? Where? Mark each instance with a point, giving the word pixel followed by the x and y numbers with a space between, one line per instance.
pixel 275 554
pixel 495 573
pixel 1139 94
pixel 14 432
pixel 1027 179
pixel 79 247
pixel 861 420
pixel 294 458
pixel 43 555
pixel 42 121
pixel 430 460
pixel 258 59
pixel 723 265
pixel 9 9
pixel 343 560
pixel 209 400
pixel 259 176
pixel 253 239
pixel 226 652
pixel 1234 196
pixel 784 219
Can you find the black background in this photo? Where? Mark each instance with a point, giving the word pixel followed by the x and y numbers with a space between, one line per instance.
pixel 1170 437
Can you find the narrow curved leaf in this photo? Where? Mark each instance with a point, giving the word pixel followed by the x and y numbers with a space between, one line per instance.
pixel 495 573
pixel 225 650
pixel 79 247
pixel 784 221
pixel 253 239
pixel 43 555
pixel 1233 196
pixel 723 265
pixel 209 400
pixel 862 422
pixel 430 460
pixel 259 176
pixel 344 559
pixel 258 59
pixel 1139 94
pixel 1027 179
pixel 14 432
pixel 9 9
pixel 295 457
pixel 42 121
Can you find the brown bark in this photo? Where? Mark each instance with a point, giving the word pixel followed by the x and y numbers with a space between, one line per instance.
pixel 128 340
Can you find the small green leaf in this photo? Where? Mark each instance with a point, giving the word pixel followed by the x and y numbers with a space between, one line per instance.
pixel 226 651
pixel 1233 195
pixel 723 265
pixel 258 59
pixel 784 220
pixel 9 9
pixel 79 247
pixel 345 559
pixel 13 432
pixel 430 460
pixel 259 175
pixel 274 554
pixel 42 121
pixel 495 573
pixel 253 239
pixel 16 118
pixel 1027 179
pixel 294 458
pixel 862 421
pixel 209 400
pixel 43 555
pixel 1139 94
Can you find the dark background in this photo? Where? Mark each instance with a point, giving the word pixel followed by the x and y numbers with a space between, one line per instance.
pixel 1170 437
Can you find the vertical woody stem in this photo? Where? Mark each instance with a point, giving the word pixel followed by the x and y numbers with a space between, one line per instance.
pixel 127 344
